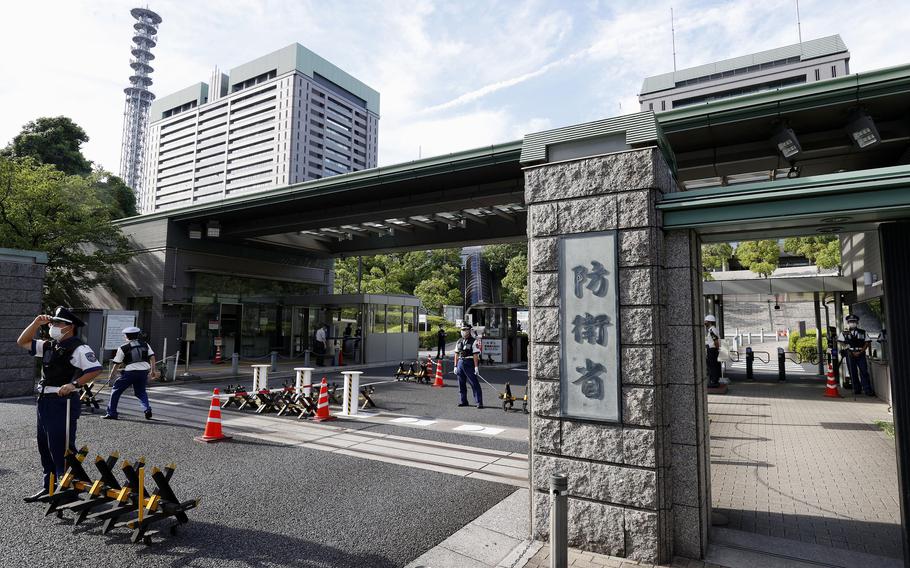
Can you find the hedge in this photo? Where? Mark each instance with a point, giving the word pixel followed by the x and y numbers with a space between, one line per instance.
pixel 428 339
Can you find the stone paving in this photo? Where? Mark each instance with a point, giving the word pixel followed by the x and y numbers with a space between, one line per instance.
pixel 788 463
pixel 581 559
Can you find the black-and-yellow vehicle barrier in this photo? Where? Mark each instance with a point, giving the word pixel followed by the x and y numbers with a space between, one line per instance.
pixel 419 371
pixel 285 401
pixel 509 400
pixel 127 505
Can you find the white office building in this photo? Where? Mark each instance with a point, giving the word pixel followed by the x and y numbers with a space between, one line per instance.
pixel 806 62
pixel 287 117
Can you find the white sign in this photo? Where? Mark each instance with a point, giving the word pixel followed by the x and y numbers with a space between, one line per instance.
pixel 113 330
pixel 589 331
pixel 422 318
pixel 491 348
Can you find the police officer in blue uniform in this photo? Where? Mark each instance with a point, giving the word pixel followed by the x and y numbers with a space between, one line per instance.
pixel 467 362
pixel 854 343
pixel 137 359
pixel 66 364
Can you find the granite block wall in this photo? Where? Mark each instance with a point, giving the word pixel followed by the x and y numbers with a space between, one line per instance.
pixel 21 289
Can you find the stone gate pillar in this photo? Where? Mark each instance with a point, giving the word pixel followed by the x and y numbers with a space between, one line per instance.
pixel 638 484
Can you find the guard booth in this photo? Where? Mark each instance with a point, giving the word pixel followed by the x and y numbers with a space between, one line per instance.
pixel 504 340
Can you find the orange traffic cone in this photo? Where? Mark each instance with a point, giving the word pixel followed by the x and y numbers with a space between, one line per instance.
pixel 831 386
pixel 213 431
pixel 322 407
pixel 217 360
pixel 438 382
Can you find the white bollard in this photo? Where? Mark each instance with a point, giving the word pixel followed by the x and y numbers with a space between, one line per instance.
pixel 260 377
pixel 350 404
pixel 761 335
pixel 304 383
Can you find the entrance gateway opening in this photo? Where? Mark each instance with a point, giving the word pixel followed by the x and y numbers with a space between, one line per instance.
pixel 645 474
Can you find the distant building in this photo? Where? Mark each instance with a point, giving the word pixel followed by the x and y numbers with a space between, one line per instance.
pixel 806 62
pixel 287 117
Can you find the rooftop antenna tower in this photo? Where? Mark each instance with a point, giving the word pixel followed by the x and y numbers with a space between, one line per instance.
pixel 673 35
pixel 138 97
pixel 799 28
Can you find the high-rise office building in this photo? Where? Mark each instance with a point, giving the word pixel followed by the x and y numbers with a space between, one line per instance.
pixel 806 62
pixel 287 117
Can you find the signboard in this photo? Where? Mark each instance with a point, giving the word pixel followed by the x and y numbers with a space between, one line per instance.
pixel 218 342
pixel 491 348
pixel 213 325
pixel 113 329
pixel 422 318
pixel 589 330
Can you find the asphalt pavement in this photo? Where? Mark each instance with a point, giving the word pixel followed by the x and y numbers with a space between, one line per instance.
pixel 263 504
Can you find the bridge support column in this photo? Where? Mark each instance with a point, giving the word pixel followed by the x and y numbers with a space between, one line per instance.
pixel 639 485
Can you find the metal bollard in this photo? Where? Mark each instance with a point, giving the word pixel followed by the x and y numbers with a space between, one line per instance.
pixel 350 403
pixel 781 365
pixel 274 361
pixel 304 380
pixel 306 358
pixel 235 364
pixel 559 520
pixel 750 361
pixel 761 335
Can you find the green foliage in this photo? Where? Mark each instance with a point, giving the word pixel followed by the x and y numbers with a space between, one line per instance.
pixel 886 427
pixel 761 257
pixel 509 265
pixel 433 276
pixel 52 140
pixel 43 209
pixel 794 337
pixel 807 347
pixel 823 251
pixel 120 199
pixel 428 339
pixel 715 256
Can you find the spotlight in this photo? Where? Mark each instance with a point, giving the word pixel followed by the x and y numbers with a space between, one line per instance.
pixel 195 232
pixel 862 130
pixel 212 229
pixel 786 142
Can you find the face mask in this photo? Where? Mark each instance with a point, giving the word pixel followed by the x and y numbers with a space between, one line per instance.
pixel 466 334
pixel 56 333
pixel 851 325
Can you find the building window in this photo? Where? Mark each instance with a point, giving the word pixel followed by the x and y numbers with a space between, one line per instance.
pixel 833 71
pixel 818 75
pixel 650 106
pixel 663 105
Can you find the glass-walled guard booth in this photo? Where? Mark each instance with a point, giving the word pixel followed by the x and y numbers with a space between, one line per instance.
pixel 503 339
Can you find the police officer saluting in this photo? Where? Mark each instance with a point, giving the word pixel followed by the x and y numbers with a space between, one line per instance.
pixel 137 359
pixel 712 350
pixel 467 361
pixel 854 343
pixel 66 364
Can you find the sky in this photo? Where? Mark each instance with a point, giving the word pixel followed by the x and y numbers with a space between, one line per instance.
pixel 452 75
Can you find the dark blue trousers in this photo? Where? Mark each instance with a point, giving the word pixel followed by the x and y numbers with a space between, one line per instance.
pixel 859 373
pixel 465 374
pixel 52 432
pixel 136 379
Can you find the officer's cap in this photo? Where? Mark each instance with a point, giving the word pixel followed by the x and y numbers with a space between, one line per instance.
pixel 63 315
pixel 132 329
pixel 852 317
pixel 710 318
pixel 466 326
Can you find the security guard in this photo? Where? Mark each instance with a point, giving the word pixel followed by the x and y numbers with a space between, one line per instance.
pixel 441 343
pixel 854 343
pixel 712 346
pixel 66 364
pixel 467 361
pixel 137 359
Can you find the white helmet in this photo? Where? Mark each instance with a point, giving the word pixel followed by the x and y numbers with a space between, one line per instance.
pixel 710 318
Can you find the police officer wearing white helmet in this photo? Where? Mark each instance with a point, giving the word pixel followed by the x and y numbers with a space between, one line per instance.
pixel 66 364
pixel 137 359
pixel 712 346
pixel 467 363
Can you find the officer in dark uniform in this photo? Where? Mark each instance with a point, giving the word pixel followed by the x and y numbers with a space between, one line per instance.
pixel 137 359
pixel 712 350
pixel 66 364
pixel 441 343
pixel 854 343
pixel 467 362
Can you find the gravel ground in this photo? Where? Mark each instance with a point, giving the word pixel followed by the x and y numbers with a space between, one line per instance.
pixel 342 511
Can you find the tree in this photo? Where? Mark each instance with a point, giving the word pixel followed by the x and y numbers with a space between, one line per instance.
pixel 509 266
pixel 715 256
pixel 761 257
pixel 44 209
pixel 52 140
pixel 823 251
pixel 120 199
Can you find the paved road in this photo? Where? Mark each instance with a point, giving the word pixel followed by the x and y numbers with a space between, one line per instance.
pixel 263 503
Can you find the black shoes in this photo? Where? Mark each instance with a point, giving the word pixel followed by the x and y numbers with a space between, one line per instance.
pixel 479 407
pixel 463 404
pixel 148 414
pixel 109 417
pixel 36 496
